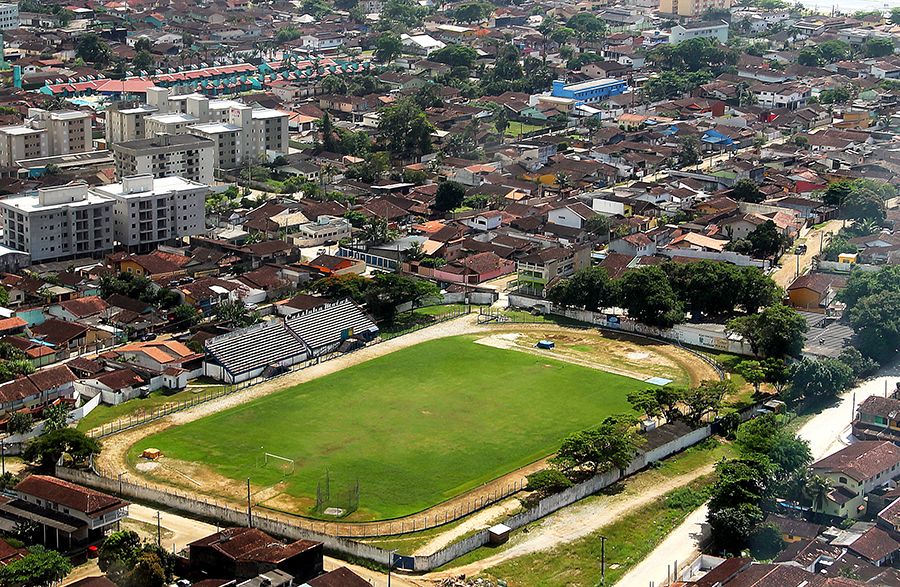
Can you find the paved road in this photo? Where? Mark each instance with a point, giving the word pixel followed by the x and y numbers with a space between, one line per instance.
pixel 826 432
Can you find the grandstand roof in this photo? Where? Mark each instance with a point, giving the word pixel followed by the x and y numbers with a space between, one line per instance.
pixel 250 348
pixel 324 325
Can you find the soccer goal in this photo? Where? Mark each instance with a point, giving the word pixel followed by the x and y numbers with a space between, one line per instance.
pixel 287 465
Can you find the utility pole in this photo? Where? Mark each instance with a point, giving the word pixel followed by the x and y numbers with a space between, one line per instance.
pixel 603 540
pixel 158 530
pixel 3 455
pixel 249 510
pixel 390 566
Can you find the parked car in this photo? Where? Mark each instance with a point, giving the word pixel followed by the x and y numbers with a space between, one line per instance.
pixel 148 337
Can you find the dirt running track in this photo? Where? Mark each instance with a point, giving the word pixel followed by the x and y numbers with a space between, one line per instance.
pixel 115 447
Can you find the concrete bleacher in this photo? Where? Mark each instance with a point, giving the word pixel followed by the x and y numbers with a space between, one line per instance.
pixel 325 327
pixel 261 349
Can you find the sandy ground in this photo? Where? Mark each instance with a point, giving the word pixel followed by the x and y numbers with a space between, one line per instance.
pixel 576 521
pixel 115 447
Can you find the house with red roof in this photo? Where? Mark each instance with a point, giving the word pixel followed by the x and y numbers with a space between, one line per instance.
pixel 168 357
pixel 69 515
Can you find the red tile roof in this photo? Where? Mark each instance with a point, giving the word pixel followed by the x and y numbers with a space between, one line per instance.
pixel 84 307
pixel 90 502
pixel 861 460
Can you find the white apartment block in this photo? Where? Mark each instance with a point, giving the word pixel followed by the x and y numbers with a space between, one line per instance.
pixel 59 223
pixel 125 121
pixel 188 156
pixel 786 95
pixel 9 16
pixel 241 133
pixel 151 211
pixel 46 134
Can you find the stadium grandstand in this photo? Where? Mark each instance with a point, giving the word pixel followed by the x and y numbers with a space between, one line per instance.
pixel 274 345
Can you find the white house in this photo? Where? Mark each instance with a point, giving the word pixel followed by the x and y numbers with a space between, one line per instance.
pixel 572 215
pixel 425 44
pixel 717 30
pixel 485 221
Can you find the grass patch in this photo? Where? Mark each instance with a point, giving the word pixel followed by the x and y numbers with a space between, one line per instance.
pixel 104 414
pixel 416 427
pixel 515 128
pixel 628 541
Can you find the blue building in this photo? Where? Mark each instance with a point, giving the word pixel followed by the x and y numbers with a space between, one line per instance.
pixel 596 90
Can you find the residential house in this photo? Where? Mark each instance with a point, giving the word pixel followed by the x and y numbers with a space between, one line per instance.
pixel 34 391
pixel 537 270
pixel 878 418
pixel 244 553
pixel 854 471
pixel 70 516
pixel 814 292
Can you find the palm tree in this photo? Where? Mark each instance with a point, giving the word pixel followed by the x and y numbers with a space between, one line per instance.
pixel 563 180
pixel 817 489
pixel 329 170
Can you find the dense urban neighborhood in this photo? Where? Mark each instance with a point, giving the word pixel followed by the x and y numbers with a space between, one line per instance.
pixel 334 293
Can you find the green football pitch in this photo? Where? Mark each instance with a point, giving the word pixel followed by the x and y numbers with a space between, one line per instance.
pixel 416 427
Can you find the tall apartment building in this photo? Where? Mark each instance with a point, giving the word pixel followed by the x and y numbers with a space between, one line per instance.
pixel 59 223
pixel 46 134
pixel 9 16
pixel 691 8
pixel 241 133
pixel 188 156
pixel 149 211
pixel 125 121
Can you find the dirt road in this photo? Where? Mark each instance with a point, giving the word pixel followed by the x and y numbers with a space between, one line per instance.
pixel 815 238
pixel 826 432
pixel 577 521
pixel 678 549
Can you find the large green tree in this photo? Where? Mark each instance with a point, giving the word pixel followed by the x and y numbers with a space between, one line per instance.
pixel 775 332
pixel 589 288
pixel 48 448
pixel 822 379
pixel 612 445
pixel 449 196
pixel 649 298
pixel 387 47
pixel 404 129
pixel 93 49
pixel 39 568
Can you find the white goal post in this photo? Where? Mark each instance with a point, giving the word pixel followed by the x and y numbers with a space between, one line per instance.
pixel 270 455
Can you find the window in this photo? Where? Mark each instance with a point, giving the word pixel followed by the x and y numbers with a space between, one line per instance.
pixel 842 480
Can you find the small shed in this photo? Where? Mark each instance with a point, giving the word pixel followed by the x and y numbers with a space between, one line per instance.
pixel 545 344
pixel 498 534
pixel 151 454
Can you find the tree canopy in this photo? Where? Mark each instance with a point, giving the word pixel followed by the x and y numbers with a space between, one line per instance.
pixel 404 130
pixel 775 332
pixel 612 445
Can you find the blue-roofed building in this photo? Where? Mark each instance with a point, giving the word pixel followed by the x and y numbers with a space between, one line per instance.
pixel 591 91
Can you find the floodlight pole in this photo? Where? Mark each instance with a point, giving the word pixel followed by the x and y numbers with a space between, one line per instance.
pixel 249 510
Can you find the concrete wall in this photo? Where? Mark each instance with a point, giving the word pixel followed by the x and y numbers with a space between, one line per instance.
pixel 728 256
pixel 108 481
pixel 269 524
pixel 847 267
